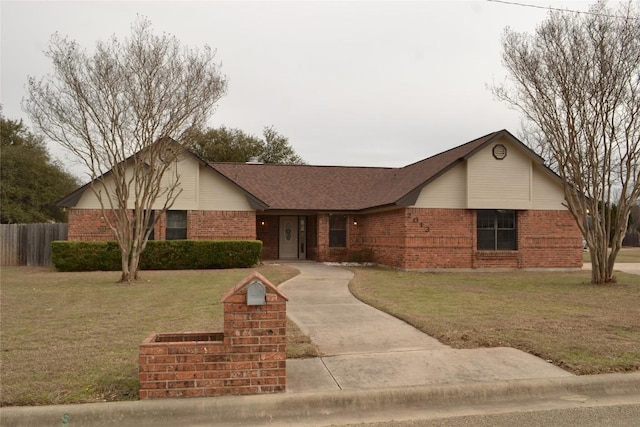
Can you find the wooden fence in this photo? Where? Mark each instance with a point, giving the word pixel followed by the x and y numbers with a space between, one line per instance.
pixel 29 244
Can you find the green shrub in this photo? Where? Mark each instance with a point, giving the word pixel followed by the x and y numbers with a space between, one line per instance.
pixel 158 255
pixel 363 256
pixel 85 256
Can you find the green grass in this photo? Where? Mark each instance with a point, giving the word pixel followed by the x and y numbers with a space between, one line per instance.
pixel 626 255
pixel 560 317
pixel 73 337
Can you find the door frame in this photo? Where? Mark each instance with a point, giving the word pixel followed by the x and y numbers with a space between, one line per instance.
pixel 299 233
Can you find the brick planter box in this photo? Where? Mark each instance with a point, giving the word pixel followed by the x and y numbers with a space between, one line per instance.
pixel 249 357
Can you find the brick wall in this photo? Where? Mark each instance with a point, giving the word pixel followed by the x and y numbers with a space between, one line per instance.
pixel 322 248
pixel 439 238
pixel 416 238
pixel 410 238
pixel 267 228
pixel 383 232
pixel 549 239
pixel 312 237
pixel 221 225
pixel 89 225
pixel 249 357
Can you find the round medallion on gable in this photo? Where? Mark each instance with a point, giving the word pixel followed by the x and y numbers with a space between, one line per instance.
pixel 499 151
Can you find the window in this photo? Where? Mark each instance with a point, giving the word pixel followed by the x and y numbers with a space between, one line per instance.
pixel 337 231
pixel 176 225
pixel 496 230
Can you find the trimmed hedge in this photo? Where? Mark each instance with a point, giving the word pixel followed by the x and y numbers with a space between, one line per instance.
pixel 158 255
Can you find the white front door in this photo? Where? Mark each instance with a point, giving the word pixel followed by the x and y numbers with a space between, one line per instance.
pixel 288 237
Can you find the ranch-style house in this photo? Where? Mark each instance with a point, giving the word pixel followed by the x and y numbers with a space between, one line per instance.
pixel 488 203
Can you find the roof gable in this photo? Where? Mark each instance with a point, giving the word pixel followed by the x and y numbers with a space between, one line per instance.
pixel 340 188
pixel 72 199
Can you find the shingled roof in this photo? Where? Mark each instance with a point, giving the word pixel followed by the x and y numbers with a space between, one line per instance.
pixel 340 188
pixel 335 188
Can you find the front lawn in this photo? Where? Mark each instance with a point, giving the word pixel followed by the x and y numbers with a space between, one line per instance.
pixel 73 337
pixel 560 317
pixel 625 255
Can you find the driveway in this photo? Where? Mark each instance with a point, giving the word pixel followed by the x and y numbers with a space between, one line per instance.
pixel 365 348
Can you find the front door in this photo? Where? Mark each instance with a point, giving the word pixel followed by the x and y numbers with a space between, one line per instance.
pixel 288 246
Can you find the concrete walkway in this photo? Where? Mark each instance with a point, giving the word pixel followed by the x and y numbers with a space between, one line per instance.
pixel 365 348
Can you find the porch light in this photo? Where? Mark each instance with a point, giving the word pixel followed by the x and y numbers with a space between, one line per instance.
pixel 262 222
pixel 355 222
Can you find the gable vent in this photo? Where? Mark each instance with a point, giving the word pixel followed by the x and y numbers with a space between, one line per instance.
pixel 499 151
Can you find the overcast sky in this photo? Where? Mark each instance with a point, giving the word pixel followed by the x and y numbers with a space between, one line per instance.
pixel 349 83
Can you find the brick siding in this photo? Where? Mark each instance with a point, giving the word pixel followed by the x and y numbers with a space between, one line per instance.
pixel 267 228
pixel 409 238
pixel 549 239
pixel 221 225
pixel 414 238
pixel 89 225
pixel 249 357
pixel 382 232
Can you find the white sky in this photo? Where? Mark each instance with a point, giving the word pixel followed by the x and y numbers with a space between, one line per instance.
pixel 349 83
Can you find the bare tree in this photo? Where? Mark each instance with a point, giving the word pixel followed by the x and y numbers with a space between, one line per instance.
pixel 577 81
pixel 635 218
pixel 120 111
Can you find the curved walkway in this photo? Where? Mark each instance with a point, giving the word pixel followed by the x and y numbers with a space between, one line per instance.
pixel 363 347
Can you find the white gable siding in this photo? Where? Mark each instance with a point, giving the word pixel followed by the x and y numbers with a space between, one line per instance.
pixel 448 191
pixel 187 171
pixel 499 184
pixel 547 192
pixel 187 168
pixel 202 189
pixel 483 182
pixel 216 193
pixel 88 200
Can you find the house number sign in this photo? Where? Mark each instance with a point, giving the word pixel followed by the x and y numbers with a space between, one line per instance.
pixel 416 220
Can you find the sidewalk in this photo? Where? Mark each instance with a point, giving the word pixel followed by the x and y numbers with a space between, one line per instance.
pixel 365 348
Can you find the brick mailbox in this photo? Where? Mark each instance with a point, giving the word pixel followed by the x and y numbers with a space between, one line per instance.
pixel 248 357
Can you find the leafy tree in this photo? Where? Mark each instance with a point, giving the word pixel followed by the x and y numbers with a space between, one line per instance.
pixel 120 110
pixel 277 149
pixel 234 145
pixel 225 145
pixel 30 181
pixel 576 80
